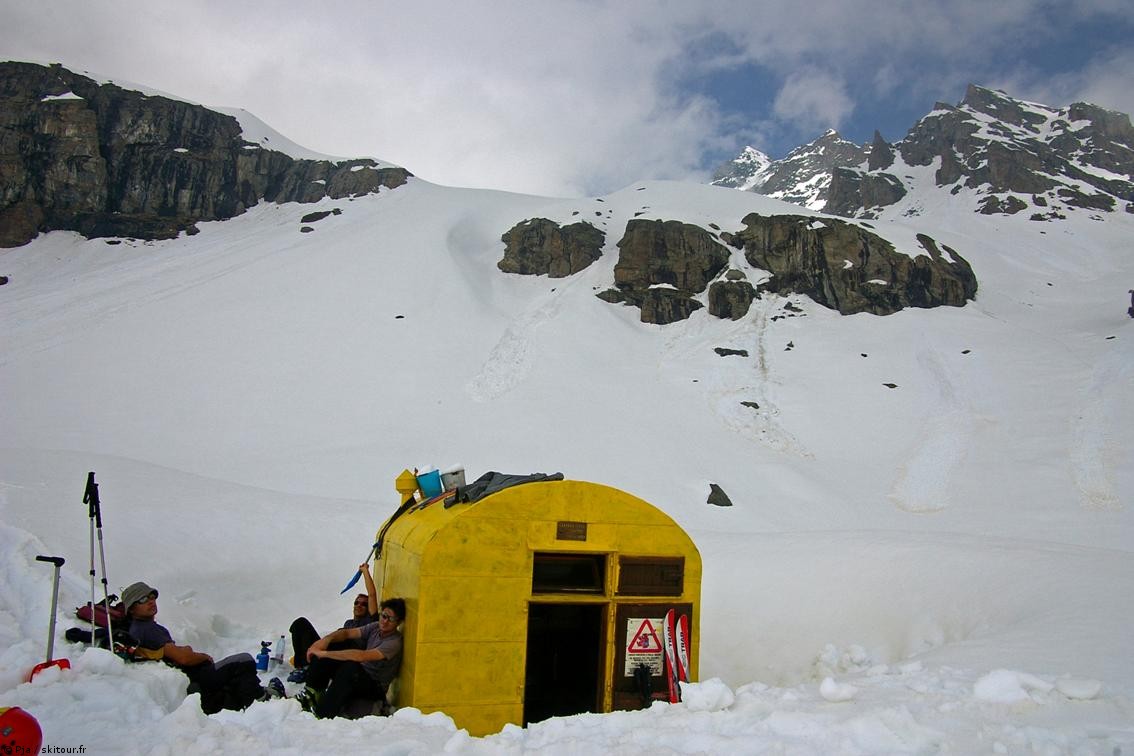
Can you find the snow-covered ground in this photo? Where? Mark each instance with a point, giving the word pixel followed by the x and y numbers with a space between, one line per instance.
pixel 929 548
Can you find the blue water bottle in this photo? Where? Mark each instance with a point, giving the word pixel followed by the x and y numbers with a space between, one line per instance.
pixel 262 657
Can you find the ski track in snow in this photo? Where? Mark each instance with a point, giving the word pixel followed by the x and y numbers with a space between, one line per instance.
pixel 924 479
pixel 1094 455
pixel 746 379
pixel 760 424
pixel 510 361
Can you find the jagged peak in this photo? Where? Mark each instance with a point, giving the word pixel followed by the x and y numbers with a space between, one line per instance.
pixel 751 155
pixel 829 138
pixel 830 135
pixel 975 93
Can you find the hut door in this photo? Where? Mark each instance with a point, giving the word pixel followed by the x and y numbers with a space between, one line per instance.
pixel 564 660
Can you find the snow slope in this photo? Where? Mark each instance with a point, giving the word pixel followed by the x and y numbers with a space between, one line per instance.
pixel 929 549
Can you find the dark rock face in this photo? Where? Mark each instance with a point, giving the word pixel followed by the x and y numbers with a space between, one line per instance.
pixel 662 264
pixel 542 247
pixel 659 306
pixel 670 252
pixel 994 205
pixel 717 496
pixel 851 191
pixel 847 268
pixel 731 299
pixel 106 161
pixel 19 223
pixel 318 216
pixel 881 154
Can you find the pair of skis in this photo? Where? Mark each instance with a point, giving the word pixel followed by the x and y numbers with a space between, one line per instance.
pixel 675 643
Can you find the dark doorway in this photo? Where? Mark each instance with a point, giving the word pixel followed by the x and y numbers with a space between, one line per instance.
pixel 564 660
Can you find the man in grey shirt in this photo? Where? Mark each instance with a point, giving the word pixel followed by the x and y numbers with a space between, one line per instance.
pixel 303 633
pixel 335 676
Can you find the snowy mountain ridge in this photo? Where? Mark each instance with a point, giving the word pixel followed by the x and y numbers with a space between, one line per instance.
pixel 1009 156
pixel 802 178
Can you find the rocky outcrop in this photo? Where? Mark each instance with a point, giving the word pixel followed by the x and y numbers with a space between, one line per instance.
pixel 718 497
pixel 659 306
pixel 731 300
pixel 682 255
pixel 881 154
pixel 847 268
pixel 662 265
pixel 665 268
pixel 102 160
pixel 994 205
pixel 855 192
pixel 539 246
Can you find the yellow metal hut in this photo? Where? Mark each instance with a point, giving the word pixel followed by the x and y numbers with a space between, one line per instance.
pixel 540 599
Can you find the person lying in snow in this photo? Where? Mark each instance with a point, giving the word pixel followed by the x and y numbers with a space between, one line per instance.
pixel 303 633
pixel 231 683
pixel 337 676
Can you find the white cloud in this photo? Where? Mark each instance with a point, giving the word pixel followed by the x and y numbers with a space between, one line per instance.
pixel 1104 81
pixel 555 97
pixel 813 100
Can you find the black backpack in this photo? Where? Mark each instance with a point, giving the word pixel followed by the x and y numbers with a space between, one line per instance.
pixel 125 645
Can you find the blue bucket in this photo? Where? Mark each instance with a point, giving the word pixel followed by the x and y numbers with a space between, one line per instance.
pixel 430 483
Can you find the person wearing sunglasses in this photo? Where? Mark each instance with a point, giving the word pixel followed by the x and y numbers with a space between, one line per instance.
pixel 303 633
pixel 337 676
pixel 231 683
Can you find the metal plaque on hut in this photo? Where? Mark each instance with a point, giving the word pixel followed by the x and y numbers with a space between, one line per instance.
pixel 566 530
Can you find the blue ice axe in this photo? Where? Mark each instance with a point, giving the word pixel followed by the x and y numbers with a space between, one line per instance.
pixel 358 573
pixel 376 549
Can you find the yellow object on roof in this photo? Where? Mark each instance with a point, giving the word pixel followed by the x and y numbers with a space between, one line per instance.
pixel 538 600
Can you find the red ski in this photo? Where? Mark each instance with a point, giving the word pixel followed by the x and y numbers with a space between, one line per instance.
pixel 681 644
pixel 672 665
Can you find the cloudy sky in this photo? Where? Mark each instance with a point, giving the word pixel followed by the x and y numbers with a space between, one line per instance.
pixel 583 97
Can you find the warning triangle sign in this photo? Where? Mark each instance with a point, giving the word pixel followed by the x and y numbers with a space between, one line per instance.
pixel 645 641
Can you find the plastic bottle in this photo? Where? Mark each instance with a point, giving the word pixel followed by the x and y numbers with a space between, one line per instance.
pixel 262 657
pixel 278 656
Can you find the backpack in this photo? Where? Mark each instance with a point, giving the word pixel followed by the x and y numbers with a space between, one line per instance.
pixel 98 611
pixel 125 645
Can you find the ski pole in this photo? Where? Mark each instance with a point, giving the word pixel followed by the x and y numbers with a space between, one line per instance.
pixel 90 496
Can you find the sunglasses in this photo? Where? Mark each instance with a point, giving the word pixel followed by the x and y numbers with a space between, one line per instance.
pixel 361 602
pixel 387 617
pixel 146 600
